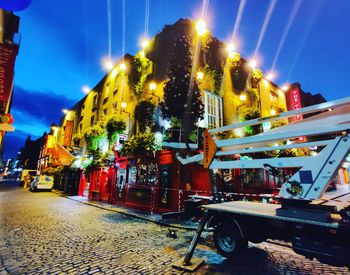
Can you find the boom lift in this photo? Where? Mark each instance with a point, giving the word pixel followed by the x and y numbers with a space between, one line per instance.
pixel 316 228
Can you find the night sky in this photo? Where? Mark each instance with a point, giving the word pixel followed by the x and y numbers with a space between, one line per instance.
pixel 63 43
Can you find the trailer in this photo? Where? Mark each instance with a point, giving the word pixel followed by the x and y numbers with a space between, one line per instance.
pixel 317 227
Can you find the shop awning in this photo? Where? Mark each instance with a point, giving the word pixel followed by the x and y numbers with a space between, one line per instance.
pixel 60 156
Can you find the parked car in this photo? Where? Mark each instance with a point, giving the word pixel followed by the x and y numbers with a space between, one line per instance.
pixel 27 177
pixel 42 182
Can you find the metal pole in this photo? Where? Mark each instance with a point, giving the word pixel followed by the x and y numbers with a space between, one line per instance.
pixel 188 257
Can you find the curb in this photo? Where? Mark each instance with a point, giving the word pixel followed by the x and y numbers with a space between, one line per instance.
pixel 133 215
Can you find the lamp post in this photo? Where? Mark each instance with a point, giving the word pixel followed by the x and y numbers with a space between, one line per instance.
pixel 123 107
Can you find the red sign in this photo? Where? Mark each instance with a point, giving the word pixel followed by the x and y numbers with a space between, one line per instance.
pixel 68 131
pixel 294 103
pixel 7 62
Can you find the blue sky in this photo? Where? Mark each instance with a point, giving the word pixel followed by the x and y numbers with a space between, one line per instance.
pixel 64 41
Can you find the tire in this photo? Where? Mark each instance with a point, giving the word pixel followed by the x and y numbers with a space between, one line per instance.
pixel 228 240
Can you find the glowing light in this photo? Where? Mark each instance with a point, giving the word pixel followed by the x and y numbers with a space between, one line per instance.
pixel 86 89
pixel 114 73
pixel 265 82
pixel 201 27
pixel 122 66
pixel 145 43
pixel 285 88
pixel 242 97
pixel 108 65
pixel 152 86
pixel 123 105
pixel 142 53
pixel 200 75
pixel 330 109
pixel 230 48
pixel 313 154
pixel 252 64
pixel 270 76
pixel 273 112
pixel 65 111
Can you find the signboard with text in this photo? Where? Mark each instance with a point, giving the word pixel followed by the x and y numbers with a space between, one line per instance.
pixel 293 101
pixel 7 62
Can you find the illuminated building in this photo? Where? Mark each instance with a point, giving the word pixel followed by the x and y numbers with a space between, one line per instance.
pixel 9 44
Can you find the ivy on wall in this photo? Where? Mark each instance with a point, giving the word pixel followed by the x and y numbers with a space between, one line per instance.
pixel 145 115
pixel 141 144
pixel 94 135
pixel 139 73
pixel 114 127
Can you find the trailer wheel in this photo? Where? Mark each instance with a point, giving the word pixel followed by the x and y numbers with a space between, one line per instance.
pixel 228 240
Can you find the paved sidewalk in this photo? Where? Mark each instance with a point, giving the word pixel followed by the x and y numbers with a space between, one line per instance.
pixel 152 217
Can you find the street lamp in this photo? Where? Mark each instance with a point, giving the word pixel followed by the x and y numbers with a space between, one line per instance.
pixel 201 28
pixel 252 64
pixel 152 86
pixel 242 97
pixel 145 43
pixel 122 66
pixel 86 89
pixel 108 64
pixel 200 75
pixel 123 105
pixel 65 111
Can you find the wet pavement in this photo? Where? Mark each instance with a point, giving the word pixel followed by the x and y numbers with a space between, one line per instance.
pixel 44 233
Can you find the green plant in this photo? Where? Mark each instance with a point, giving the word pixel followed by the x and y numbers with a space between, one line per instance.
pixel 139 73
pixel 108 158
pixel 94 135
pixel 145 115
pixel 256 76
pixel 215 76
pixel 176 90
pixel 140 144
pixel 250 114
pixel 114 126
pixel 253 94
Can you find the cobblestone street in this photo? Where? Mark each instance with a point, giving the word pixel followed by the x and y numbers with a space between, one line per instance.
pixel 45 233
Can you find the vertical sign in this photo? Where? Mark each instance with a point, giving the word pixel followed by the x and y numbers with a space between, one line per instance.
pixel 68 131
pixel 294 103
pixel 7 61
pixel 49 144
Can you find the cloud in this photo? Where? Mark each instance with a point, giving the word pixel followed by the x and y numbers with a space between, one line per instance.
pixel 13 142
pixel 42 109
pixel 33 112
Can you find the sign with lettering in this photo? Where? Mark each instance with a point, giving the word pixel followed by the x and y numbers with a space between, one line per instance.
pixel 294 103
pixel 209 149
pixel 7 61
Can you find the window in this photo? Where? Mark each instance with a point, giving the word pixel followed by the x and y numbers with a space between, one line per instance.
pixel 105 111
pixel 92 120
pixel 212 110
pixel 115 105
pixel 80 127
pixel 144 173
pixel 94 102
pixel 106 94
pixel 273 96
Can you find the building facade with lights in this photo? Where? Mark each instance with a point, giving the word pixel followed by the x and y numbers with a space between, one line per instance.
pixel 231 88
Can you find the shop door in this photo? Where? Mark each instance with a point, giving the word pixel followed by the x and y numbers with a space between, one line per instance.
pixel 165 188
pixel 120 180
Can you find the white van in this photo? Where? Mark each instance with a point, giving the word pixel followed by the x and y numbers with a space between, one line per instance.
pixel 27 177
pixel 42 182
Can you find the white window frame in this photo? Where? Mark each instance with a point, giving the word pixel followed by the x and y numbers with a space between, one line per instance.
pixel 213 115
